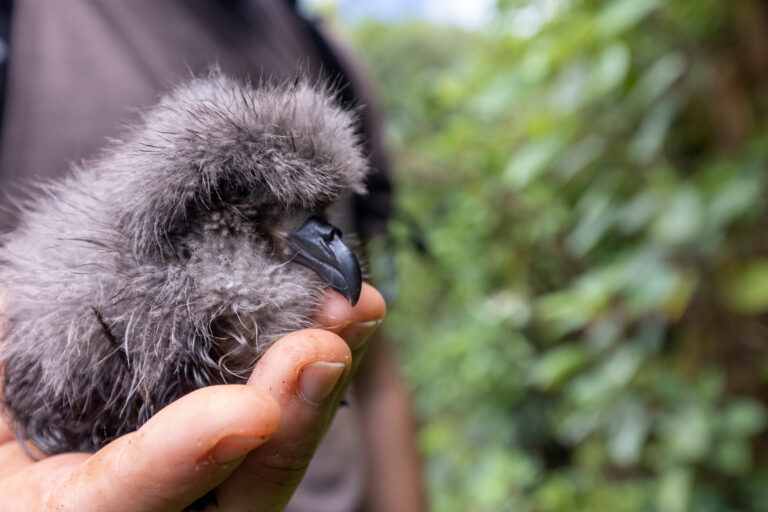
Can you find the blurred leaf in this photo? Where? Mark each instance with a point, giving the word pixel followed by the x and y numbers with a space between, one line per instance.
pixel 580 155
pixel 619 15
pixel 554 367
pixel 531 159
pixel 611 68
pixel 688 434
pixel 733 198
pixel 682 218
pixel 746 287
pixel 733 457
pixel 661 75
pixel 629 434
pixel 744 418
pixel 650 137
pixel 675 490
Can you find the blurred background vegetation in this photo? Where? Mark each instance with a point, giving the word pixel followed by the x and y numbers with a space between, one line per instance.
pixel 581 251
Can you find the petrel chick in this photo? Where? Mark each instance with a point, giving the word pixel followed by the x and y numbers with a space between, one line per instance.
pixel 173 260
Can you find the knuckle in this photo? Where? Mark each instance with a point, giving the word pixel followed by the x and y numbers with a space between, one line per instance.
pixel 283 470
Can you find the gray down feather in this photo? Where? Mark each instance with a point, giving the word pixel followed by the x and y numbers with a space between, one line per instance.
pixel 155 270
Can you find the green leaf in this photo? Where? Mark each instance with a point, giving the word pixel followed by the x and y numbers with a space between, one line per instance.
pixel 675 490
pixel 531 160
pixel 628 434
pixel 682 218
pixel 557 365
pixel 746 288
pixel 649 140
pixel 733 457
pixel 688 434
pixel 610 69
pixel 621 15
pixel 744 418
pixel 660 76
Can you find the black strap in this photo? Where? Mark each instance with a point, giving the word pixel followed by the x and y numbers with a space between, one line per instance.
pixel 6 8
pixel 373 211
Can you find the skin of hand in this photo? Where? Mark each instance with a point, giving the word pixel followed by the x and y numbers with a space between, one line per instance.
pixel 249 444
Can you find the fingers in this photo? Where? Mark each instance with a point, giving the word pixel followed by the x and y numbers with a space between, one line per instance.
pixel 184 451
pixel 306 372
pixel 353 323
pixel 303 371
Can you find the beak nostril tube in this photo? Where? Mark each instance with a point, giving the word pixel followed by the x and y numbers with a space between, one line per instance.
pixel 317 245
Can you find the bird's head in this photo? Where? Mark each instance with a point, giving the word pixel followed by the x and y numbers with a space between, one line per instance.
pixel 222 175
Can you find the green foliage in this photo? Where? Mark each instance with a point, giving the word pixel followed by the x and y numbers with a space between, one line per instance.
pixel 583 332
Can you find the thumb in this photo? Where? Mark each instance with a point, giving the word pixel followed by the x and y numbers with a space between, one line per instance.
pixel 184 451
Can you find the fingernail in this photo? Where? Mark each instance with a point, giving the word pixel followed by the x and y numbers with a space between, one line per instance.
pixel 357 334
pixel 232 448
pixel 317 380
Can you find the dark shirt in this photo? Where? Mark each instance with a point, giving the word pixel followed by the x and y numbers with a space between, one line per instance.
pixel 79 70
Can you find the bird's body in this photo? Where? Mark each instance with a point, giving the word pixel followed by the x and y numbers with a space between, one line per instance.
pixel 172 261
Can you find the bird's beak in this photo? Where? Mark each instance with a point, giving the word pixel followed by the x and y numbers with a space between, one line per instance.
pixel 317 245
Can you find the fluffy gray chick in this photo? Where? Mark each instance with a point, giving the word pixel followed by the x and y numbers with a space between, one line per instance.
pixel 173 261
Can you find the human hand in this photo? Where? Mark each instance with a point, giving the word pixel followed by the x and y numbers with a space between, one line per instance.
pixel 248 444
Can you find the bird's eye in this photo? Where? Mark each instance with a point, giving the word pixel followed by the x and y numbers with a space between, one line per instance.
pixel 232 190
pixel 183 252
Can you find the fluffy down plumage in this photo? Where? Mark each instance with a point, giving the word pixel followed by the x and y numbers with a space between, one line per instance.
pixel 156 269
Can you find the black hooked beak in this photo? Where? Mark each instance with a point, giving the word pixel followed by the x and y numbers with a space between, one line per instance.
pixel 317 245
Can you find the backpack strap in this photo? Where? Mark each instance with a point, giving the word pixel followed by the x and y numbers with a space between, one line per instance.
pixel 6 9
